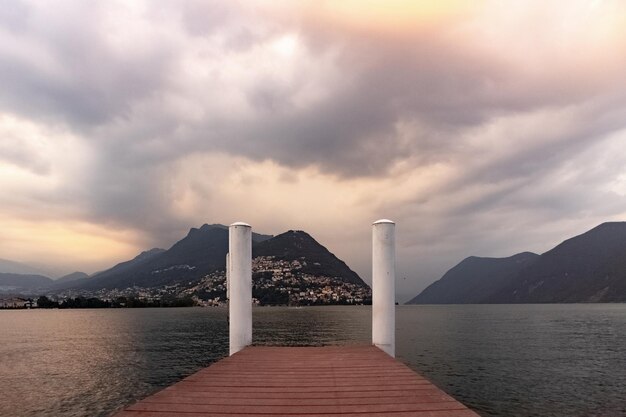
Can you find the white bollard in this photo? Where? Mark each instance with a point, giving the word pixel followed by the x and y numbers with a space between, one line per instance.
pixel 227 276
pixel 384 286
pixel 240 286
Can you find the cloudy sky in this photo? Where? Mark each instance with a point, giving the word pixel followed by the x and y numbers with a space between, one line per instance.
pixel 481 127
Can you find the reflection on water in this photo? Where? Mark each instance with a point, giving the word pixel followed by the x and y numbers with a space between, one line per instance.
pixel 90 362
pixel 523 360
pixel 311 326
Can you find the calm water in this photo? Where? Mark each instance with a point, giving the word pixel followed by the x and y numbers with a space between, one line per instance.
pixel 522 360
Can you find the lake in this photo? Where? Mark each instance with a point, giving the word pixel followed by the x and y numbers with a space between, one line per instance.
pixel 500 360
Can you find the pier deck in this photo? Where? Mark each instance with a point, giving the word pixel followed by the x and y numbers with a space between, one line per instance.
pixel 338 381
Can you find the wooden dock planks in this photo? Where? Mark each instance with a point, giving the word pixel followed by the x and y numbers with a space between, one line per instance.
pixel 337 381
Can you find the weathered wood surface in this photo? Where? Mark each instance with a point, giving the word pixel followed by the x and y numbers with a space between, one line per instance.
pixel 338 381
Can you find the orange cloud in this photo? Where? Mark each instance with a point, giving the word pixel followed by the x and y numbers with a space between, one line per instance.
pixel 393 15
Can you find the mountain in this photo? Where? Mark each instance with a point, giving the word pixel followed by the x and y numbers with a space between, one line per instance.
pixel 22 282
pixel 71 277
pixel 137 271
pixel 587 268
pixel 590 267
pixel 202 251
pixel 118 270
pixel 13 267
pixel 299 245
pixel 474 279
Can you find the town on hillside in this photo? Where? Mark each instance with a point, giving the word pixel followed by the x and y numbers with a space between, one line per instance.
pixel 275 282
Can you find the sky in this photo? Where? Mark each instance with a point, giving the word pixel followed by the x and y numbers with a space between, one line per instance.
pixel 481 128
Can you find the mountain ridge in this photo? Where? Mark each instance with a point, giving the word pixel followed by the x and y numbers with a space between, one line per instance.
pixel 14 267
pixel 492 275
pixel 203 251
pixel 71 277
pixel 23 282
pixel 589 267
pixel 294 244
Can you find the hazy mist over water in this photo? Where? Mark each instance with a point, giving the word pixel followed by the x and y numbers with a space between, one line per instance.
pixel 501 360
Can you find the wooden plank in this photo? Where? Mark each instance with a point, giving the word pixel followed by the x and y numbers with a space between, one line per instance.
pixel 335 381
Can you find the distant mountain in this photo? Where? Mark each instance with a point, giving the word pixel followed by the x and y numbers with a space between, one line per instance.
pixel 22 282
pixel 587 268
pixel 118 270
pixel 202 251
pixel 13 267
pixel 71 277
pixel 299 245
pixel 474 279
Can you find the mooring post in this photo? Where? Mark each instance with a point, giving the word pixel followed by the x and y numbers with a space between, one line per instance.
pixel 227 275
pixel 384 286
pixel 240 285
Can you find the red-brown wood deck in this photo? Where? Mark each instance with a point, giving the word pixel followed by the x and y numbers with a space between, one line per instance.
pixel 339 381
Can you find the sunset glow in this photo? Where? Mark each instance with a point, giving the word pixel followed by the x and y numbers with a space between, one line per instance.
pixel 396 15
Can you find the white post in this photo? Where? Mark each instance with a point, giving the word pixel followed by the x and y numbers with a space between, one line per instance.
pixel 384 286
pixel 240 285
pixel 227 276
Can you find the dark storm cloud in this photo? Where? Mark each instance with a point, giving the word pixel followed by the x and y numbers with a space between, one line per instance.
pixel 89 83
pixel 439 86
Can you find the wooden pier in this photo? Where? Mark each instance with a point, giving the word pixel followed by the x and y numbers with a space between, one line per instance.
pixel 339 381
pixel 336 381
